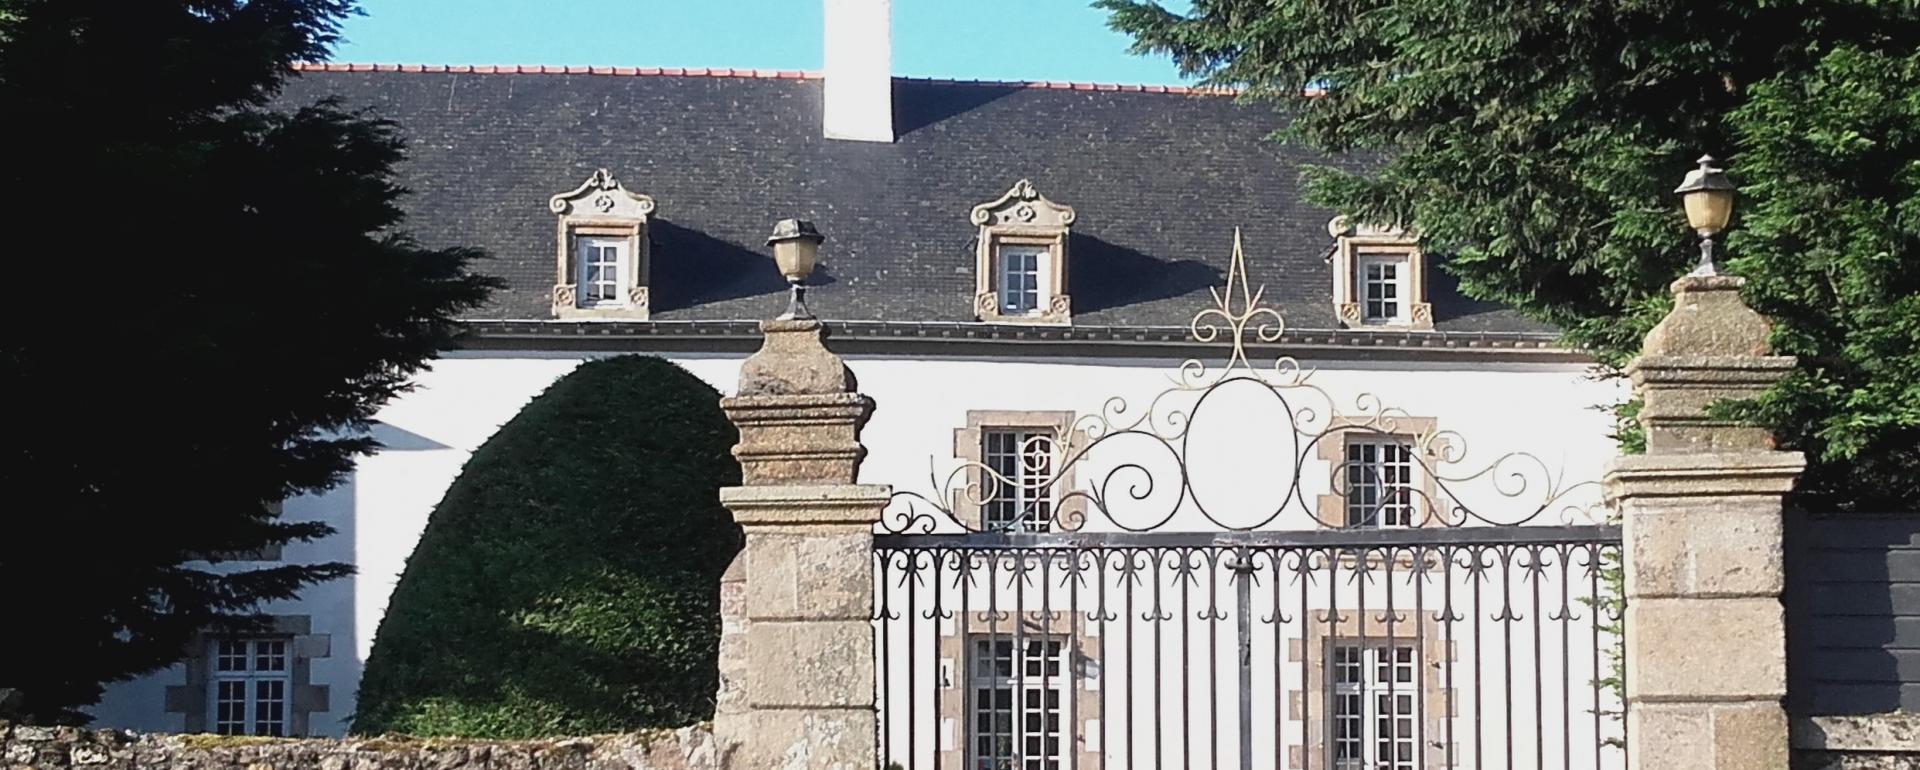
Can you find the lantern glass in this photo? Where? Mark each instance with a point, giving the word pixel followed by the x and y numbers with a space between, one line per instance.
pixel 795 257
pixel 1709 210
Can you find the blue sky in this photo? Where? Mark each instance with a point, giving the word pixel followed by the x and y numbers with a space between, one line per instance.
pixel 967 39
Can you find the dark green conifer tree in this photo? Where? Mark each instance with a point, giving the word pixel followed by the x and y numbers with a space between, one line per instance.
pixel 209 294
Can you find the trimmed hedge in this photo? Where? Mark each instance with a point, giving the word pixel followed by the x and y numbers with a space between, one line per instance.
pixel 568 583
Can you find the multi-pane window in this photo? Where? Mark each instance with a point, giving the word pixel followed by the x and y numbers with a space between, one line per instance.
pixel 1382 280
pixel 1020 267
pixel 1019 686
pixel 1374 705
pixel 1020 498
pixel 602 269
pixel 1379 482
pixel 251 682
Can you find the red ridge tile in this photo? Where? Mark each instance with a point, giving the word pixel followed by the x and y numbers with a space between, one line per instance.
pixel 734 72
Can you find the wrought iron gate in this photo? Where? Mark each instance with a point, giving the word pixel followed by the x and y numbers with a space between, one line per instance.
pixel 1106 595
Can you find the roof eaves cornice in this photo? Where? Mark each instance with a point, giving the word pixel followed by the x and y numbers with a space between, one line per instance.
pixel 489 334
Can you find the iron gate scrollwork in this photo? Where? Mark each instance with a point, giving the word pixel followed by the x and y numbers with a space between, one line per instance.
pixel 1347 591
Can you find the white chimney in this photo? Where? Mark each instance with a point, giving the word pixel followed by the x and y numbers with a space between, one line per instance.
pixel 859 70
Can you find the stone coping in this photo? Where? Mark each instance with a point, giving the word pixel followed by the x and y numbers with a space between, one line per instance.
pixel 1709 474
pixel 800 505
pixel 807 493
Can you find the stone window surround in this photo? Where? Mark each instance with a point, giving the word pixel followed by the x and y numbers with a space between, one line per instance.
pixel 1330 507
pixel 1438 704
pixel 191 698
pixel 1083 650
pixel 601 206
pixel 1022 216
pixel 1350 244
pixel 969 446
pixel 250 664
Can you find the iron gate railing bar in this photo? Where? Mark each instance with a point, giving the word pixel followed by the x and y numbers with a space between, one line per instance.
pixel 1243 571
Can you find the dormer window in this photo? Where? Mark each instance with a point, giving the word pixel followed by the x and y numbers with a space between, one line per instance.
pixel 1379 277
pixel 1022 258
pixel 602 261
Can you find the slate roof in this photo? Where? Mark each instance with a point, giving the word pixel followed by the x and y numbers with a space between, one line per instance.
pixel 1158 177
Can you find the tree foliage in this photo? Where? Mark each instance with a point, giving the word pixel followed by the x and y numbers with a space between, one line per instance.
pixel 1831 244
pixel 568 583
pixel 1537 142
pixel 208 300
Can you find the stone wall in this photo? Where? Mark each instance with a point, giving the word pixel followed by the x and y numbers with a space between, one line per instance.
pixel 1873 742
pixel 69 748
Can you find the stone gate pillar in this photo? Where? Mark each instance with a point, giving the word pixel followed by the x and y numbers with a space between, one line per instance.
pixel 1701 513
pixel 796 650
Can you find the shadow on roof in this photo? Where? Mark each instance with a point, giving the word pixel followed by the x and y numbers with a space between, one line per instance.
pixel 917 105
pixel 1457 311
pixel 1107 275
pixel 693 268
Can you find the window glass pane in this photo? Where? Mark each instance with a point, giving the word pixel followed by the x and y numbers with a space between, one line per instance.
pixel 1379 290
pixel 230 707
pixel 1020 495
pixel 1018 704
pixel 230 655
pixel 269 711
pixel 1346 664
pixel 1019 278
pixel 1378 475
pixel 1374 721
pixel 602 265
pixel 270 655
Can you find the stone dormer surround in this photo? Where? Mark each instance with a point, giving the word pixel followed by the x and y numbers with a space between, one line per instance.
pixel 600 206
pixel 1355 242
pixel 1022 217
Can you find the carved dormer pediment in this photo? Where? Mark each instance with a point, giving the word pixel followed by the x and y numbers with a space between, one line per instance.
pixel 1342 227
pixel 1022 206
pixel 602 196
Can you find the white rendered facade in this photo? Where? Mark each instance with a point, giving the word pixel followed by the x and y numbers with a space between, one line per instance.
pixel 1548 409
